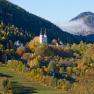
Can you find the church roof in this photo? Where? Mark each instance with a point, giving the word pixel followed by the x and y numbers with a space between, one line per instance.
pixel 36 39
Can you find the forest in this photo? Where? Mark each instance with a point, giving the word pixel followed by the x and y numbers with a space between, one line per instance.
pixel 69 68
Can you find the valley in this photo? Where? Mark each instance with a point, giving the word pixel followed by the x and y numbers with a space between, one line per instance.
pixel 39 57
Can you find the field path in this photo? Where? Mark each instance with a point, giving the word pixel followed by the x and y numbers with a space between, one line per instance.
pixel 23 86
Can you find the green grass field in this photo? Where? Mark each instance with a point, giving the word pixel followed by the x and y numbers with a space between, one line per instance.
pixel 23 86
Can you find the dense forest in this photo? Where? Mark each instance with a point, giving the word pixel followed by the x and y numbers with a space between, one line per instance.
pixel 9 36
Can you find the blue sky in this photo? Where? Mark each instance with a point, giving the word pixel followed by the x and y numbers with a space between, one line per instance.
pixel 56 10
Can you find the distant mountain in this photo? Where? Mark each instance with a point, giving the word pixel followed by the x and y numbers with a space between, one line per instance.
pixel 13 14
pixel 83 24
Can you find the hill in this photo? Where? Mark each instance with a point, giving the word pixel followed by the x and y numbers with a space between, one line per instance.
pixel 81 24
pixel 13 14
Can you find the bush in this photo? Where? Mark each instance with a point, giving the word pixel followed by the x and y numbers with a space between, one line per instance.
pixel 16 65
pixel 7 86
pixel 34 63
pixel 65 85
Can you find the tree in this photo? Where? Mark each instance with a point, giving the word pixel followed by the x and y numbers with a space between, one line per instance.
pixel 34 63
pixel 40 50
pixel 65 85
pixel 20 51
pixel 16 65
pixel 69 70
pixel 61 70
pixel 7 86
pixel 87 60
pixel 51 66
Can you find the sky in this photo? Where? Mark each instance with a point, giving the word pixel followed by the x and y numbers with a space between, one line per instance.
pixel 56 11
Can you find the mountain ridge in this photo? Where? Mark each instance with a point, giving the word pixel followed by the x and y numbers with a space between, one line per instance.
pixel 83 24
pixel 13 14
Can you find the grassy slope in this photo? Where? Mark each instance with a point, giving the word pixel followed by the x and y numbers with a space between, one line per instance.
pixel 23 86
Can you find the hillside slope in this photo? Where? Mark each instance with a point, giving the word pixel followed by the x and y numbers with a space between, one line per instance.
pixel 12 14
pixel 83 24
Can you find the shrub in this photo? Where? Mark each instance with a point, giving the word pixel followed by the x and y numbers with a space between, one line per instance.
pixel 16 65
pixel 7 86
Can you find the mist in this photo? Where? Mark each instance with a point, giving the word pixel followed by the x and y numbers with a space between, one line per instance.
pixel 77 27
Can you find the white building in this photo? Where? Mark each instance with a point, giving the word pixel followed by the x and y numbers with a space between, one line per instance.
pixel 18 44
pixel 43 37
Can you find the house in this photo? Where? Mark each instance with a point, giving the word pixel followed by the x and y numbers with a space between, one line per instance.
pixel 18 44
pixel 57 42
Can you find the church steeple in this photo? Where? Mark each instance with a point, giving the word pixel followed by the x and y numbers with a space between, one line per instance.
pixel 41 31
pixel 43 37
pixel 45 31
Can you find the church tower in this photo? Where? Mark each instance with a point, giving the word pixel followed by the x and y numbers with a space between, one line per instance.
pixel 43 37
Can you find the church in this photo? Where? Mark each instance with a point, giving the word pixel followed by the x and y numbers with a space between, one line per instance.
pixel 42 38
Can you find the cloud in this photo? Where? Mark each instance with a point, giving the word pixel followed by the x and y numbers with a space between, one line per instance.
pixel 76 27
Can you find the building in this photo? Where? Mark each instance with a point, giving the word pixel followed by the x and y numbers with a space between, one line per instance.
pixel 57 42
pixel 42 38
pixel 18 44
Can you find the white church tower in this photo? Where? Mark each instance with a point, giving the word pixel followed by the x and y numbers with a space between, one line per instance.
pixel 43 37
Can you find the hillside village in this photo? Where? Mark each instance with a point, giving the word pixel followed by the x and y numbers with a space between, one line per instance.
pixel 41 39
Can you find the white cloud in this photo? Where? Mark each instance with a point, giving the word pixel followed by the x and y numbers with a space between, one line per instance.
pixel 76 27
